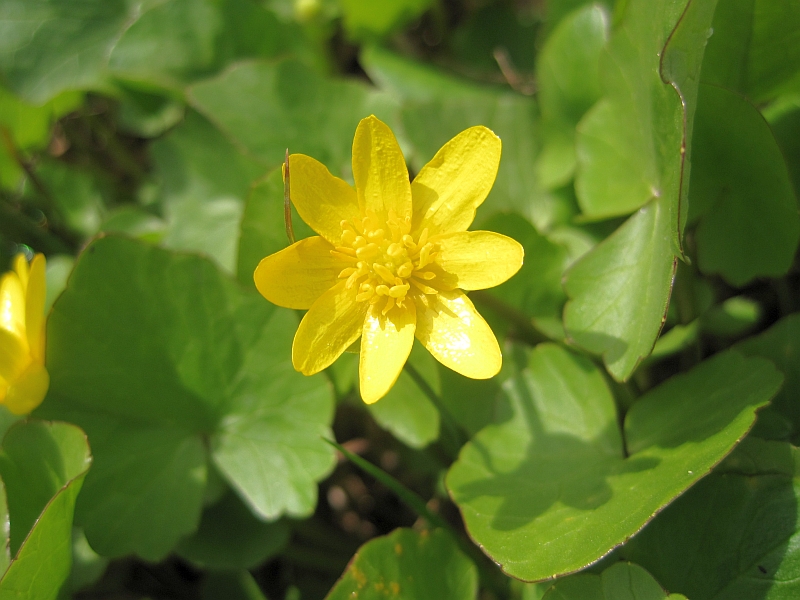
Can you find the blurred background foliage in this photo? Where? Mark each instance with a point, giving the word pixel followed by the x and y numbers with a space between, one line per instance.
pixel 650 168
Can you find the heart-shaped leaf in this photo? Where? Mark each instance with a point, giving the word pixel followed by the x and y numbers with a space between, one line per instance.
pixel 623 581
pixel 166 364
pixel 555 488
pixel 735 535
pixel 409 565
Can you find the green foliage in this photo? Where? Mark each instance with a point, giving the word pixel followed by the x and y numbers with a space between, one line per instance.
pixel 409 566
pixel 640 439
pixel 43 466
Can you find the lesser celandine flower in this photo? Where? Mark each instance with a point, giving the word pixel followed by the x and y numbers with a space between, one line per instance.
pixel 392 258
pixel 23 378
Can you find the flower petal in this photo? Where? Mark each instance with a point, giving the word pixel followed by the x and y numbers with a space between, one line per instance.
pixel 21 268
pixel 322 200
pixel 457 336
pixel 480 259
pixel 456 181
pixel 385 345
pixel 298 275
pixel 12 305
pixel 379 170
pixel 28 391
pixel 34 307
pixel 14 357
pixel 328 328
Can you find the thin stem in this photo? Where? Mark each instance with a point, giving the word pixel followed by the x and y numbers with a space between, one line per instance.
pixel 415 502
pixel 452 438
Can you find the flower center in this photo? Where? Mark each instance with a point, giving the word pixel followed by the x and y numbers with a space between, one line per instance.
pixel 387 264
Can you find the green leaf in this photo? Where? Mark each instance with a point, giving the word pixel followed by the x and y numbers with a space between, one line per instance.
pixel 365 20
pixel 268 107
pixel 168 41
pixel 47 46
pixel 755 48
pixel 263 231
pixel 205 180
pixel 231 585
pixel 536 290
pixel 631 154
pixel 166 364
pixel 409 565
pixel 551 490
pixel 622 581
pixel 739 177
pixel 619 291
pixel 781 344
pixel 43 466
pixel 733 536
pixel 76 196
pixel 568 76
pixel 230 537
pixel 406 410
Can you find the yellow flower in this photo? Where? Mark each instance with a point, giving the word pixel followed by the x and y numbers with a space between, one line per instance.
pixel 392 258
pixel 23 378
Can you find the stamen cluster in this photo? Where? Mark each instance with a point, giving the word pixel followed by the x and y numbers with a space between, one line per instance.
pixel 387 263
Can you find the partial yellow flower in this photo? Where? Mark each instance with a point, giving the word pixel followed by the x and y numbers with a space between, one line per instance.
pixel 23 378
pixel 392 259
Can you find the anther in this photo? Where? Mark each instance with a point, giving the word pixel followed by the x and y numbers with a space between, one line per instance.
pixel 367 251
pixel 347 272
pixel 427 275
pixel 383 273
pixel 348 237
pixel 405 270
pixel 382 290
pixel 408 241
pixel 398 291
pixel 394 250
pixel 359 242
pixel 422 287
pixel 389 305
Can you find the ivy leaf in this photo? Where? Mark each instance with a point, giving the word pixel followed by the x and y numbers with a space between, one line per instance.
pixel 167 364
pixel 739 177
pixel 733 536
pixel 633 148
pixel 43 466
pixel 409 565
pixel 551 490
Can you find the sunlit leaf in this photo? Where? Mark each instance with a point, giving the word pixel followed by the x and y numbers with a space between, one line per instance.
pixel 168 364
pixel 555 488
pixel 623 581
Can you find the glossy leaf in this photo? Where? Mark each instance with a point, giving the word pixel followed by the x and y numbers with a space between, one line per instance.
pixel 551 490
pixel 735 535
pixel 205 180
pixel 633 148
pixel 167 364
pixel 781 344
pixel 739 177
pixel 43 466
pixel 755 48
pixel 569 84
pixel 268 107
pixel 622 581
pixel 409 565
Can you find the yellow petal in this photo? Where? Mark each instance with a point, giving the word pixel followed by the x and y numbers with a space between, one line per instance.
pixel 385 345
pixel 14 355
pixel 27 392
pixel 457 336
pixel 322 200
pixel 379 170
pixel 12 305
pixel 34 307
pixel 298 275
pixel 332 323
pixel 21 269
pixel 449 189
pixel 479 259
